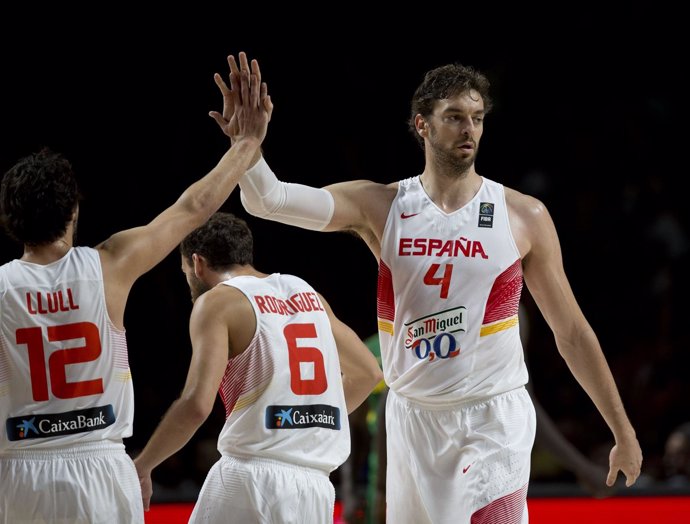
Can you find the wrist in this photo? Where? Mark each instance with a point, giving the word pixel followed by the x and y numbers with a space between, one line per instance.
pixel 248 140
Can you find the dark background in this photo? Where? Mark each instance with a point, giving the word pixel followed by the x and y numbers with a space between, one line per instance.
pixel 590 116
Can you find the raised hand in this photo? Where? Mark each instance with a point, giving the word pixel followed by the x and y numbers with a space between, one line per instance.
pixel 227 121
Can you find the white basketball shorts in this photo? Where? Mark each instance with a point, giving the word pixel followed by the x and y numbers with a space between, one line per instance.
pixel 466 464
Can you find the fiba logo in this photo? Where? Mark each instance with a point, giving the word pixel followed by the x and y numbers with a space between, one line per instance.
pixel 486 214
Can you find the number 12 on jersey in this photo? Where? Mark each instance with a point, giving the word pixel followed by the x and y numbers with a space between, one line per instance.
pixel 59 359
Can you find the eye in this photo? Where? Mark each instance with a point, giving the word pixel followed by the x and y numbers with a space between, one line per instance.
pixel 478 119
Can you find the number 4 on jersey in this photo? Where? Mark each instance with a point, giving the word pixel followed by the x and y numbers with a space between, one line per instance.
pixel 430 279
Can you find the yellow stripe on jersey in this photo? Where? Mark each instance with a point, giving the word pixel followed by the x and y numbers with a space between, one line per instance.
pixel 501 325
pixel 250 398
pixel 386 327
pixel 123 376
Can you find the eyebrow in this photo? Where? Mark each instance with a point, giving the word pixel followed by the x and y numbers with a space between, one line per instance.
pixel 459 111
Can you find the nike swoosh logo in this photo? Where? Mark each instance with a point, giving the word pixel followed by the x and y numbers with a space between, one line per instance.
pixel 464 470
pixel 404 216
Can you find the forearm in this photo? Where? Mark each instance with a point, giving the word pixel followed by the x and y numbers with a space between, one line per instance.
pixel 588 365
pixel 358 388
pixel 174 431
pixel 205 196
pixel 263 195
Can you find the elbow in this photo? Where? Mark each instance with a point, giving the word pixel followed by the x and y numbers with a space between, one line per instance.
pixel 196 411
pixel 377 377
pixel 260 208
pixel 196 209
pixel 372 378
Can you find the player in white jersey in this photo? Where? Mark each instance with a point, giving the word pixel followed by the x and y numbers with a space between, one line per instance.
pixel 453 248
pixel 288 372
pixel 66 396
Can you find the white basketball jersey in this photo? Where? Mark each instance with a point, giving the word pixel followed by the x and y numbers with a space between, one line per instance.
pixel 448 295
pixel 283 395
pixel 64 371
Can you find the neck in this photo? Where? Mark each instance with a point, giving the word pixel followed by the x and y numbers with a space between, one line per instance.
pixel 238 271
pixel 450 190
pixel 46 253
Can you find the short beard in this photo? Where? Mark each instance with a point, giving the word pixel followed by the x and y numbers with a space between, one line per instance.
pixel 198 288
pixel 449 164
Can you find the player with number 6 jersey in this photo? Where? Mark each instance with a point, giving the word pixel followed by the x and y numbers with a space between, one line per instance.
pixel 289 373
pixel 283 395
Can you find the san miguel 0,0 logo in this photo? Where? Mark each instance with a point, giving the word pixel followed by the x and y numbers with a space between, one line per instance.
pixel 431 336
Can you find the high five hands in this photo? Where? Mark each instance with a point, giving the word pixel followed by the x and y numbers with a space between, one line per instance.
pixel 246 92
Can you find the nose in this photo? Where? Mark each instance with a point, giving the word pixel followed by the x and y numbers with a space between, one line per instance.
pixel 466 126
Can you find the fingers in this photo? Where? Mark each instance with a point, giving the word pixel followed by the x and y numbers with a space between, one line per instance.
pixel 235 87
pixel 233 65
pixel 266 100
pixel 256 71
pixel 245 89
pixel 246 86
pixel 254 92
pixel 218 118
pixel 244 64
pixel 224 89
pixel 611 477
pixel 630 478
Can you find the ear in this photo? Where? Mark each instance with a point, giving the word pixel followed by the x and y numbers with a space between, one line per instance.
pixel 421 125
pixel 200 266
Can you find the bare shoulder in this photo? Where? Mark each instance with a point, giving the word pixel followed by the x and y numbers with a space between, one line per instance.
pixel 223 302
pixel 524 205
pixel 224 312
pixel 530 221
pixel 362 206
pixel 364 189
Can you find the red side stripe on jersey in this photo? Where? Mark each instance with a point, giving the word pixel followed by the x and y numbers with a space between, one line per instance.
pixel 506 510
pixel 118 342
pixel 504 299
pixel 385 298
pixel 4 360
pixel 247 376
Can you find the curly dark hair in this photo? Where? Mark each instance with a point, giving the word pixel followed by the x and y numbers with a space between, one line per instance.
pixel 225 240
pixel 444 82
pixel 38 197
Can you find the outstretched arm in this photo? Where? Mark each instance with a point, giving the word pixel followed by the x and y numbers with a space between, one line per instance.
pixel 357 205
pixel 576 341
pixel 210 352
pixel 128 254
pixel 359 368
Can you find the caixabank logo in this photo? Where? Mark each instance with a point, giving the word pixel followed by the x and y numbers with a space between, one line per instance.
pixel 298 417
pixel 57 424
